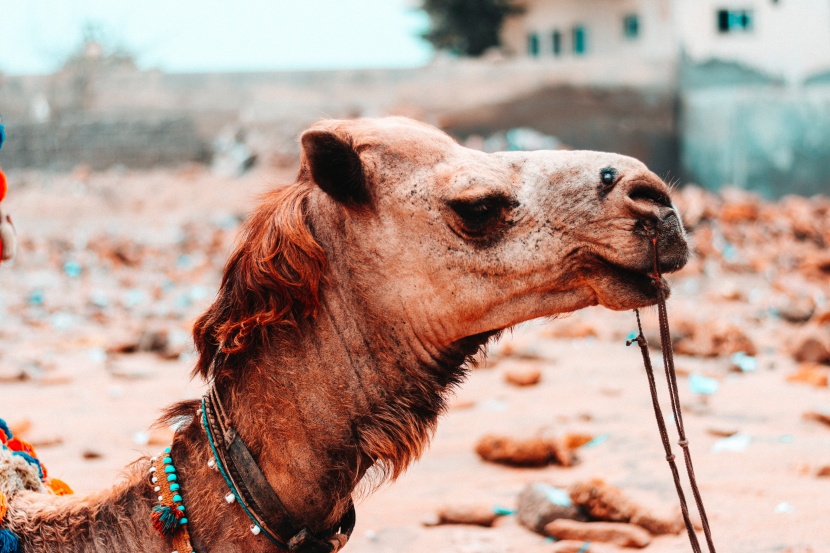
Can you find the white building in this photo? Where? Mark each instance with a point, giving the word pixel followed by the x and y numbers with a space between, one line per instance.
pixel 787 39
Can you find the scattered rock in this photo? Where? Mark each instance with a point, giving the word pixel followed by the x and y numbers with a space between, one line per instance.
pixel 617 533
pixel 797 310
pixel 812 344
pixel 721 432
pixel 90 454
pixel 823 418
pixel 530 452
pixel 602 501
pixel 523 376
pixel 476 515
pixel 810 373
pixel 712 339
pixel 540 503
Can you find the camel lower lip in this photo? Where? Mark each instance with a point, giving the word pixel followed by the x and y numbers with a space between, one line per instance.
pixel 643 282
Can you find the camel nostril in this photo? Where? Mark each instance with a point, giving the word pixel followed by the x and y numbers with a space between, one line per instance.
pixel 651 195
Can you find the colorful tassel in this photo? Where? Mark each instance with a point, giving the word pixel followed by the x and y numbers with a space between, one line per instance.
pixel 165 519
pixel 9 543
pixel 5 428
pixel 59 487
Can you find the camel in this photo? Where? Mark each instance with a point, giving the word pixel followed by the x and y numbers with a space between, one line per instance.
pixel 354 302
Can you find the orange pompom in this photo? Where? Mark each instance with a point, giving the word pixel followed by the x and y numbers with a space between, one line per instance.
pixel 3 185
pixel 59 487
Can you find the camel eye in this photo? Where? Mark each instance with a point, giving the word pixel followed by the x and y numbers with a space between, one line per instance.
pixel 607 176
pixel 477 216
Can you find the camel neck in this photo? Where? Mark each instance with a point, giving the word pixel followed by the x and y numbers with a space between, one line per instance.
pixel 342 396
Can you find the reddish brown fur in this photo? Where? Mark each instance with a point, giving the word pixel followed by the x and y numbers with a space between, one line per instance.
pixel 330 366
pixel 271 280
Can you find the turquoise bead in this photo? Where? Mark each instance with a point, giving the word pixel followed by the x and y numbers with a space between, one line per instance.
pixel 174 487
pixel 169 468
pixel 171 477
pixel 177 498
pixel 180 507
pixel 183 520
pixel 167 450
pixel 168 461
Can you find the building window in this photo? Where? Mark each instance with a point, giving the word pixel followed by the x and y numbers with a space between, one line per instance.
pixel 734 21
pixel 631 26
pixel 580 40
pixel 533 44
pixel 556 43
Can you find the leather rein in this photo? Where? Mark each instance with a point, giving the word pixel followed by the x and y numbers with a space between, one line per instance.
pixel 255 495
pixel 671 377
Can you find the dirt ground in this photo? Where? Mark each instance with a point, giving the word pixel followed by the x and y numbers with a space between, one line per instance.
pixel 120 261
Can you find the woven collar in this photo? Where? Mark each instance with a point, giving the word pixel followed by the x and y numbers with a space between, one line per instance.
pixel 256 496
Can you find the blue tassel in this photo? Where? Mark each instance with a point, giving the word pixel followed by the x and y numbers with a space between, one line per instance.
pixel 165 519
pixel 31 460
pixel 3 426
pixel 9 543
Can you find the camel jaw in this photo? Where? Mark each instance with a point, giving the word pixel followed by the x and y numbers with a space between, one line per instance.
pixel 621 288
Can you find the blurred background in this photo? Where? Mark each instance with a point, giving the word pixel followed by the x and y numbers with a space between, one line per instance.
pixel 141 133
pixel 701 91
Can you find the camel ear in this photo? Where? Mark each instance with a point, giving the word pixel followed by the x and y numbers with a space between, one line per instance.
pixel 335 167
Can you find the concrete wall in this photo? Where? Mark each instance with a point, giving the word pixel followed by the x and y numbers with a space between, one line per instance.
pixel 773 140
pixel 277 105
pixel 638 122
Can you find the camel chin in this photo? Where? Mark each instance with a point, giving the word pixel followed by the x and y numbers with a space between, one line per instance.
pixel 621 288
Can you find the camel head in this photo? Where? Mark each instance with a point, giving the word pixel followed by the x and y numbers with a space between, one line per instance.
pixel 456 242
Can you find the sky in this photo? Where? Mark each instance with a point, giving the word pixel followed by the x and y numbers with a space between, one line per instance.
pixel 36 36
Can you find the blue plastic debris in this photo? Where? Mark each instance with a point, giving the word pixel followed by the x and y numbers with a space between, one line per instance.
pixel 743 362
pixel 72 269
pixel 557 496
pixel 503 511
pixel 598 440
pixel 35 297
pixel 703 385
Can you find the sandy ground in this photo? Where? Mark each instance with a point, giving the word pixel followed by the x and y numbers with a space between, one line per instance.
pixel 107 256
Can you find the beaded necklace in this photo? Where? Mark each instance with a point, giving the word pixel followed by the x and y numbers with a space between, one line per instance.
pixel 168 516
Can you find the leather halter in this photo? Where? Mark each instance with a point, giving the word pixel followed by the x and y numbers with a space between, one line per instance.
pixel 256 496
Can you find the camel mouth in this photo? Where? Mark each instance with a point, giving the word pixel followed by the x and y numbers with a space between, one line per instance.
pixel 620 287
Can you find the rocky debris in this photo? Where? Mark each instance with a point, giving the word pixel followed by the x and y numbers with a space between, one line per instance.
pixel 822 417
pixel 796 310
pixel 601 501
pixel 528 452
pixel 91 454
pixel 163 342
pixel 812 344
pixel 712 339
pixel 540 503
pixel 617 533
pixel 476 515
pixel 810 373
pixel 523 376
